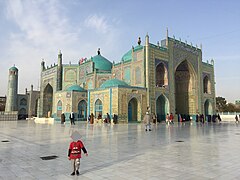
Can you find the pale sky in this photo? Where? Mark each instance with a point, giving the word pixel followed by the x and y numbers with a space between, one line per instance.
pixel 34 29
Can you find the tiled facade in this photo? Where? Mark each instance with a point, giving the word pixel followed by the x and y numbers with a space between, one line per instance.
pixel 167 78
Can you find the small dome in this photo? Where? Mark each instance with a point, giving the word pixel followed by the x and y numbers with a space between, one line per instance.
pixel 101 63
pixel 113 83
pixel 76 88
pixel 13 68
pixel 128 55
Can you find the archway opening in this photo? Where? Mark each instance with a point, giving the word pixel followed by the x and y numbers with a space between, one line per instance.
pixel 208 110
pixel 132 110
pixel 161 75
pixel 206 85
pixel 185 90
pixel 162 106
pixel 82 110
pixel 98 108
pixel 47 101
pixel 59 108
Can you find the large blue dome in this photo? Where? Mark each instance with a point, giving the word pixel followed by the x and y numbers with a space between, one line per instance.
pixel 101 63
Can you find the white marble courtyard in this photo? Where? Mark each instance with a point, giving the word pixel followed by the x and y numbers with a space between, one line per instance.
pixel 125 151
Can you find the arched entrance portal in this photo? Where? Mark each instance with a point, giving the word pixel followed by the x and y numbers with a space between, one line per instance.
pixel 132 110
pixel 47 100
pixel 208 108
pixel 82 110
pixel 162 106
pixel 185 95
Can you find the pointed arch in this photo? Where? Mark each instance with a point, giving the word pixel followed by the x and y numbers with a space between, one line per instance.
pixel 98 108
pixel 208 109
pixel 206 85
pixel 82 110
pixel 161 75
pixel 162 107
pixel 47 100
pixel 133 110
pixel 185 89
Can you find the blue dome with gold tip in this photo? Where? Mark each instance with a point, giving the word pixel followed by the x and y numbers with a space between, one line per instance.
pixel 114 83
pixel 76 88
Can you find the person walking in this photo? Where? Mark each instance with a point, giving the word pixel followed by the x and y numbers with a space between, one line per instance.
pixel 115 119
pixel 171 117
pixel 91 118
pixel 74 152
pixel 154 117
pixel 108 119
pixel 63 118
pixel 167 118
pixel 71 117
pixel 147 121
pixel 236 118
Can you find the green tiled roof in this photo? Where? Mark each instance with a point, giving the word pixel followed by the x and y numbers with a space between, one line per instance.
pixel 113 83
pixel 76 88
pixel 128 55
pixel 101 63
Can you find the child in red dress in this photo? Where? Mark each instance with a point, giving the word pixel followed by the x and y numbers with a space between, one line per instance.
pixel 74 152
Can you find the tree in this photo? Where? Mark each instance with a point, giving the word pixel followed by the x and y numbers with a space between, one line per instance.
pixel 230 107
pixel 221 104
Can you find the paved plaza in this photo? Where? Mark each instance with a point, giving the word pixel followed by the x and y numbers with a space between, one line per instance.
pixel 123 151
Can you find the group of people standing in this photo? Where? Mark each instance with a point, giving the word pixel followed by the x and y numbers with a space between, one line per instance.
pixel 71 117
pixel 105 120
pixel 90 118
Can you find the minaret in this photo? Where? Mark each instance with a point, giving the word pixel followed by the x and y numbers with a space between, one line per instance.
pixel 59 72
pixel 147 68
pixel 11 104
